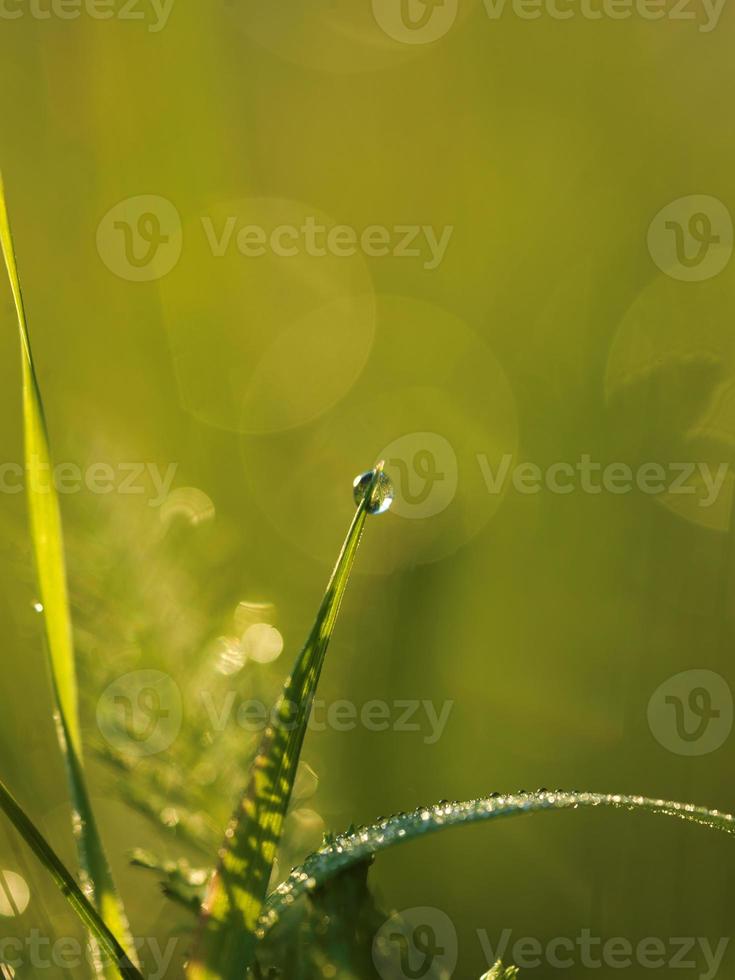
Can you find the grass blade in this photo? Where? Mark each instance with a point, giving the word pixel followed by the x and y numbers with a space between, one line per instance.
pixel 48 549
pixel 236 893
pixel 500 972
pixel 108 944
pixel 352 848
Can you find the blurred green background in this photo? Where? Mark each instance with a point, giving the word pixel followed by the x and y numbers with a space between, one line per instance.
pixel 547 330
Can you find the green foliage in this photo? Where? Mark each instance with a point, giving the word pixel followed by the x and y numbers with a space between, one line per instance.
pixel 238 888
pixel 354 847
pixel 113 958
pixel 331 932
pixel 499 972
pixel 48 549
pixel 181 883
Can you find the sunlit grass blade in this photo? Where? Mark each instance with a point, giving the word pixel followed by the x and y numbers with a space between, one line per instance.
pixel 48 549
pixel 500 972
pixel 235 897
pixel 115 956
pixel 351 848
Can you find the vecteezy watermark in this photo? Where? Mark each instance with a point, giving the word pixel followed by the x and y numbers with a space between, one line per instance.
pixel 417 942
pixel 691 713
pixel 696 953
pixel 153 13
pixel 38 952
pixel 424 470
pixel 97 478
pixel 425 21
pixel 586 475
pixel 422 942
pixel 706 13
pixel 420 716
pixel 691 238
pixel 141 238
pixel 312 237
pixel 415 21
pixel 141 712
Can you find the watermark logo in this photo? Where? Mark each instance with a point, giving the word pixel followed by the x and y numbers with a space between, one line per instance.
pixel 153 13
pixel 592 952
pixel 422 942
pixel 691 238
pixel 424 471
pixel 67 955
pixel 312 237
pixel 698 480
pixel 424 718
pixel 140 713
pixel 424 21
pixel 138 478
pixel 417 943
pixel 704 14
pixel 691 713
pixel 140 239
pixel 415 21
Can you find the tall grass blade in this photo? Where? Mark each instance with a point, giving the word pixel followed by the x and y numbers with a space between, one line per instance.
pixel 114 954
pixel 236 893
pixel 48 549
pixel 351 848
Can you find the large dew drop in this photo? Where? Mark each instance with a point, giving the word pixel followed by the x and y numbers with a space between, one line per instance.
pixel 382 494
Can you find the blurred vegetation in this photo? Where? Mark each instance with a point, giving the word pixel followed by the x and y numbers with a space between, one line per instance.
pixel 547 331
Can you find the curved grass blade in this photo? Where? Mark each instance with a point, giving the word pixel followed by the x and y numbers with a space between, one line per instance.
pixel 116 957
pixel 48 549
pixel 351 848
pixel 237 890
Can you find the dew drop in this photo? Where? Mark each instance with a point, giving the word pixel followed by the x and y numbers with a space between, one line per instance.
pixel 382 494
pixel 169 816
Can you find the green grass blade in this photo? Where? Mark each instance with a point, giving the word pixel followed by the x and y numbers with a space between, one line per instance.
pixel 500 972
pixel 113 952
pixel 351 848
pixel 235 897
pixel 48 549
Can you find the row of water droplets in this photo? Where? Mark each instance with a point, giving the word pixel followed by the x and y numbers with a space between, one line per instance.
pixel 356 845
pixel 361 844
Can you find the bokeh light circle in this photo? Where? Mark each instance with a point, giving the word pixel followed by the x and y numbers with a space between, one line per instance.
pixel 15 895
pixel 268 329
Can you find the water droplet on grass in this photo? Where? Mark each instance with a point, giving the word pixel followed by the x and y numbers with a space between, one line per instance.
pixel 382 493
